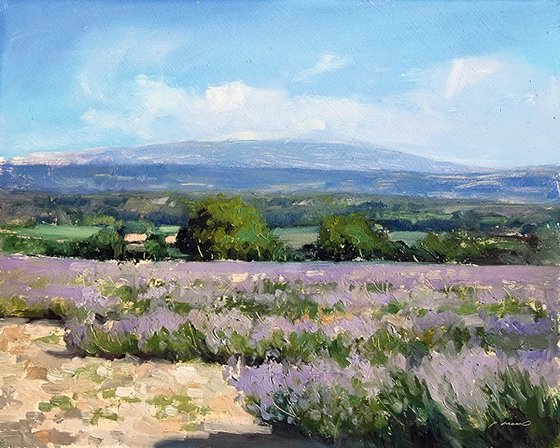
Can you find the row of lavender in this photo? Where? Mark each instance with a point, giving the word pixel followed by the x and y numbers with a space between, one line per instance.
pixel 392 355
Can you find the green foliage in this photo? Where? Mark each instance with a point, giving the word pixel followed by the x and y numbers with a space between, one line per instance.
pixel 183 404
pixel 548 244
pixel 99 220
pixel 227 228
pixel 107 244
pixel 62 248
pixel 184 344
pixel 137 227
pixel 463 247
pixel 99 342
pixel 351 237
pixel 128 295
pixel 18 307
pixel 155 247
pixel 17 244
pixel 62 402
pixel 523 413
pixel 100 413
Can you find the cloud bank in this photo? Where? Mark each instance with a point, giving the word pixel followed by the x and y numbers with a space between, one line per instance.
pixel 481 110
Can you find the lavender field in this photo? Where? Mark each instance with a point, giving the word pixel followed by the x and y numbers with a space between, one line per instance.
pixel 381 355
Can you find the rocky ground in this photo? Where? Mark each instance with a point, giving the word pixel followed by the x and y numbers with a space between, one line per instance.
pixel 50 397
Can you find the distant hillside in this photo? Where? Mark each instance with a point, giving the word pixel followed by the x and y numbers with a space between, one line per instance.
pixel 529 185
pixel 253 154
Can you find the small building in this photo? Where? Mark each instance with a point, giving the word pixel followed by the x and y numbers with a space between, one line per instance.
pixel 135 238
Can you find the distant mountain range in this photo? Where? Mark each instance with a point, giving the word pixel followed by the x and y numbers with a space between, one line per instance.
pixel 253 154
pixel 271 166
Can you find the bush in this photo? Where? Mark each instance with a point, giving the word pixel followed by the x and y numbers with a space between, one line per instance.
pixel 62 248
pixel 137 227
pixel 350 237
pixel 223 228
pixel 462 247
pixel 17 244
pixel 156 247
pixel 107 244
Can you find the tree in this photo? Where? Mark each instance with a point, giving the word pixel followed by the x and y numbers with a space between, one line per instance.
pixel 226 228
pixel 350 237
pixel 156 247
pixel 107 244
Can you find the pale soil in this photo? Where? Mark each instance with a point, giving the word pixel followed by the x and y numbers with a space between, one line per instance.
pixel 106 403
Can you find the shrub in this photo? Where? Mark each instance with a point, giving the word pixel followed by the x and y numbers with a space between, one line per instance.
pixel 107 244
pixel 463 247
pixel 350 237
pixel 156 247
pixel 62 248
pixel 16 244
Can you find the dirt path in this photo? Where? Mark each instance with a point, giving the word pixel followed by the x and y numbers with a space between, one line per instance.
pixel 49 397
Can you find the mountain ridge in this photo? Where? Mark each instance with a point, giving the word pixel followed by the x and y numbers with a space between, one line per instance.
pixel 273 166
pixel 251 153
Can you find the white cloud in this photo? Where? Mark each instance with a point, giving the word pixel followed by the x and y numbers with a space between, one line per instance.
pixel 328 62
pixel 503 112
pixel 469 71
pixel 227 97
pixel 160 112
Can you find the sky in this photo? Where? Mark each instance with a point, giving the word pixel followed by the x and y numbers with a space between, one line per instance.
pixel 476 82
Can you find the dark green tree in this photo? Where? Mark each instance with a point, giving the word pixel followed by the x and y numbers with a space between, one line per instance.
pixel 349 237
pixel 226 228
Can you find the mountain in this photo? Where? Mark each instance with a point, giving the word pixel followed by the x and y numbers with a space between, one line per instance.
pixel 274 167
pixel 254 154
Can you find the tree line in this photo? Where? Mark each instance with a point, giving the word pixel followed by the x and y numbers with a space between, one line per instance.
pixel 223 228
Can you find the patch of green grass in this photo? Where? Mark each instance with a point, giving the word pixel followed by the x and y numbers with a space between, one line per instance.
pixel 393 307
pixel 62 402
pixel 168 230
pixel 410 238
pixel 50 232
pixel 49 339
pixel 108 393
pixel 506 307
pixel 89 373
pixel 181 402
pixel 297 237
pixel 100 413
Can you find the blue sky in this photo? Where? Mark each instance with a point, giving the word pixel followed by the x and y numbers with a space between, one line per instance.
pixel 475 82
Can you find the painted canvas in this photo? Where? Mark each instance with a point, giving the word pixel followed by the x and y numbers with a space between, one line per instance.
pixel 308 223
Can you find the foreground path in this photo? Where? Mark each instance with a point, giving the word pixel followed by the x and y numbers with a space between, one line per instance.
pixel 49 397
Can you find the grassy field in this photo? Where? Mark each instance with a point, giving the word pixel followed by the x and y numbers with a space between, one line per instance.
pixel 168 230
pixel 297 236
pixel 409 238
pixel 50 232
